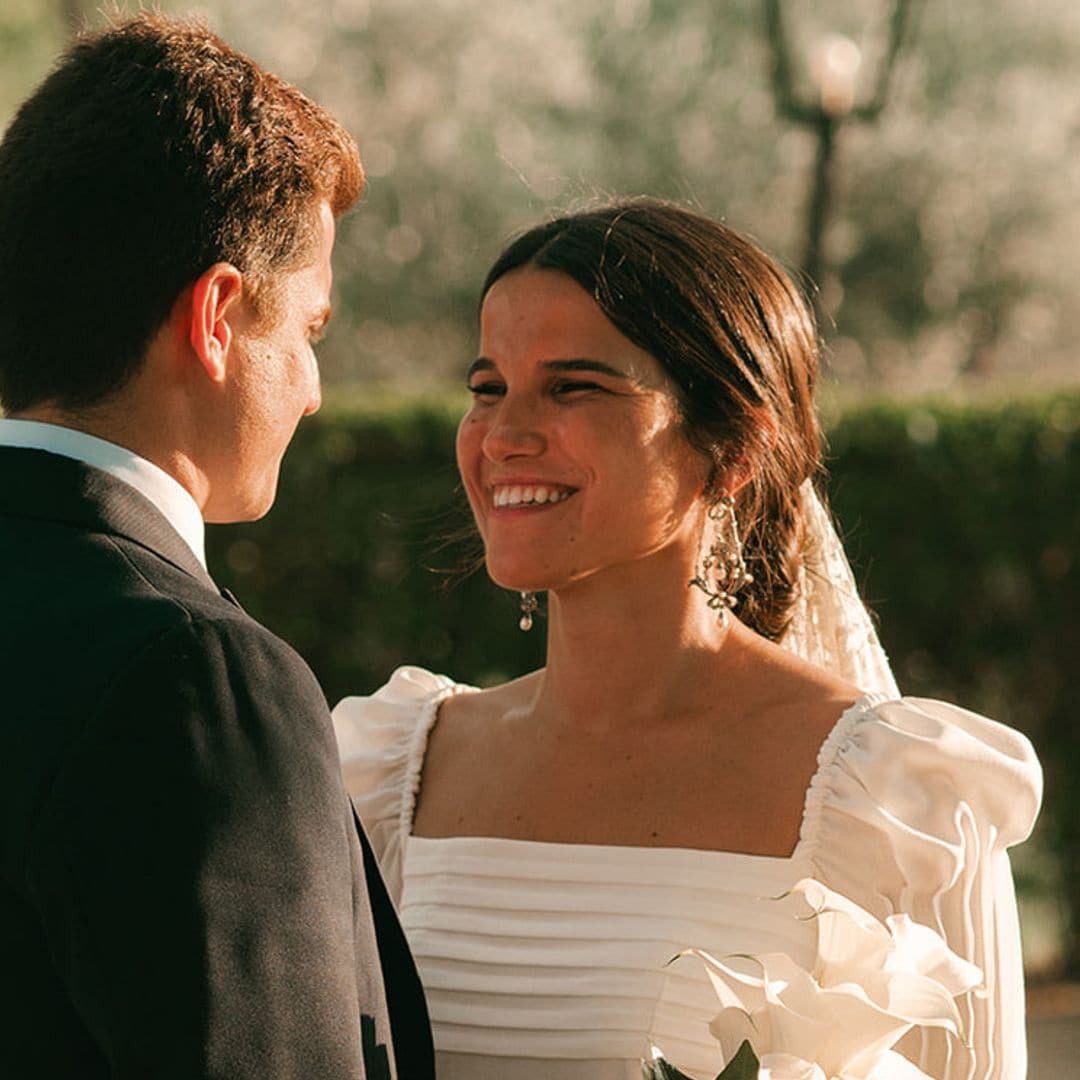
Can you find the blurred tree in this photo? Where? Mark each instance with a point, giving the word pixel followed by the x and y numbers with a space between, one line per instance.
pixel 28 41
pixel 957 235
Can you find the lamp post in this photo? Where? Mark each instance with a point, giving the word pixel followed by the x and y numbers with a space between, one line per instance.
pixel 835 69
pixel 834 72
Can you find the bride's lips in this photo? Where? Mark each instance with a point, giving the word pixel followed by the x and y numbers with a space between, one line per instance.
pixel 528 494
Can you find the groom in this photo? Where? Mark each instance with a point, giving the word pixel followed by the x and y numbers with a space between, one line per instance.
pixel 184 890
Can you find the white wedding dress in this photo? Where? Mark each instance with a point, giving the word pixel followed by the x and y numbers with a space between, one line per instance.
pixel 546 961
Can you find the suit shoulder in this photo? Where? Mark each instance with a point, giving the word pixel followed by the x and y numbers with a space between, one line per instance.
pixel 222 642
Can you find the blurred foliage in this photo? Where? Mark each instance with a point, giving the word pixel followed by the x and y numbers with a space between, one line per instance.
pixel 957 235
pixel 963 525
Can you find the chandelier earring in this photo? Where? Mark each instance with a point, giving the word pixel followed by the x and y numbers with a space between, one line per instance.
pixel 529 606
pixel 722 572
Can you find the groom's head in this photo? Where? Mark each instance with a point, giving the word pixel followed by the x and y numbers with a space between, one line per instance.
pixel 162 196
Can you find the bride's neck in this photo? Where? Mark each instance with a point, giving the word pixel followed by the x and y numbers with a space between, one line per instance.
pixel 623 655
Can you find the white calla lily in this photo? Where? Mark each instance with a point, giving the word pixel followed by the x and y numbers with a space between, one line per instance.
pixel 788 1067
pixel 872 982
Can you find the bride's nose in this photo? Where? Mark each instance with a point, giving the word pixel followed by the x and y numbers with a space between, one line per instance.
pixel 515 431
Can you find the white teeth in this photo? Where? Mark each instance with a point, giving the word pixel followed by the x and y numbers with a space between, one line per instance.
pixel 527 495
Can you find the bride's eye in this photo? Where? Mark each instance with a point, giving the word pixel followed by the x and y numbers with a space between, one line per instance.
pixel 486 389
pixel 572 386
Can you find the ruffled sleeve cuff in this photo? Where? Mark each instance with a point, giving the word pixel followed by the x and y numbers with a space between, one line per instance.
pixel 912 809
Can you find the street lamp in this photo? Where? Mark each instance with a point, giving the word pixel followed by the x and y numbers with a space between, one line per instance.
pixel 834 70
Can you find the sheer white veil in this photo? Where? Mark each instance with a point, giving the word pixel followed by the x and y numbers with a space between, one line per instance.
pixel 831 626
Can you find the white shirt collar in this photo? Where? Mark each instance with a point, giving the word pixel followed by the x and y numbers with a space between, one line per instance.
pixel 163 490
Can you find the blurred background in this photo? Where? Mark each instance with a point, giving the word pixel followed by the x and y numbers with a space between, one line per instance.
pixel 914 161
pixel 947 240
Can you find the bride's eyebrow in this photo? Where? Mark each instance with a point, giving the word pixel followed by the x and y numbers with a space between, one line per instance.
pixel 482 363
pixel 584 364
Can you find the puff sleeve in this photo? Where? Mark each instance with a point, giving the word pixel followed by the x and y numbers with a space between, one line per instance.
pixel 381 741
pixel 913 808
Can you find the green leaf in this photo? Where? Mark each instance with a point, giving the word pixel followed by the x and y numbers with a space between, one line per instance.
pixel 743 1066
pixel 662 1070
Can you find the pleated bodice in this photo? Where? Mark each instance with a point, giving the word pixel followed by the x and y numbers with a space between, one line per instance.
pixel 552 956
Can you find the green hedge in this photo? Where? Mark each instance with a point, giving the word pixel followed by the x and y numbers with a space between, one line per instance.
pixel 962 523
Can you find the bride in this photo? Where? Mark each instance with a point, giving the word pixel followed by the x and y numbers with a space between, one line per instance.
pixel 643 418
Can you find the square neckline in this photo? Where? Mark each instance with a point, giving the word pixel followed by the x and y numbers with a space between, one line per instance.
pixel 815 792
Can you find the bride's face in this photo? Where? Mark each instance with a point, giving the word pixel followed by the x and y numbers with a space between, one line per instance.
pixel 572 455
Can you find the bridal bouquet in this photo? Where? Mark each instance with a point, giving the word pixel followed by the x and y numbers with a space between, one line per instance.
pixel 872 982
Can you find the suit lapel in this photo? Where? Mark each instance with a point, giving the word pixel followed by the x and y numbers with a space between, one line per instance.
pixel 38 485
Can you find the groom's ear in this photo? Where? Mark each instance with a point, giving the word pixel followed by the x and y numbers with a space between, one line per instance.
pixel 215 302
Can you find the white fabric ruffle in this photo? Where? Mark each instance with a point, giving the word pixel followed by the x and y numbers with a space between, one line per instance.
pixel 382 740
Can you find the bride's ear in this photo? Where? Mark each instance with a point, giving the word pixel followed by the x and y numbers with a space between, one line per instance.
pixel 215 302
pixel 728 477
pixel 734 467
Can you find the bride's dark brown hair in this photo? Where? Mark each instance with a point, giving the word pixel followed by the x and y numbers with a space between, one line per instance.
pixel 739 343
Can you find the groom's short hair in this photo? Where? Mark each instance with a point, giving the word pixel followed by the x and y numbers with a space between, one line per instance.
pixel 151 152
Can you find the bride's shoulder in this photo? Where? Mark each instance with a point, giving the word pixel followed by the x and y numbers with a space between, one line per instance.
pixel 379 723
pixel 914 756
pixel 476 707
pixel 397 718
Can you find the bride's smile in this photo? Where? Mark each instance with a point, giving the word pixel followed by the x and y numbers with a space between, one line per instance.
pixel 523 494
pixel 573 454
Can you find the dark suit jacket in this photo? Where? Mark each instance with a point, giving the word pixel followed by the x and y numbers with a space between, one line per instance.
pixel 184 889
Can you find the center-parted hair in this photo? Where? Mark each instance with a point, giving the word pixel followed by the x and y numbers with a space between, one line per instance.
pixel 737 340
pixel 152 151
